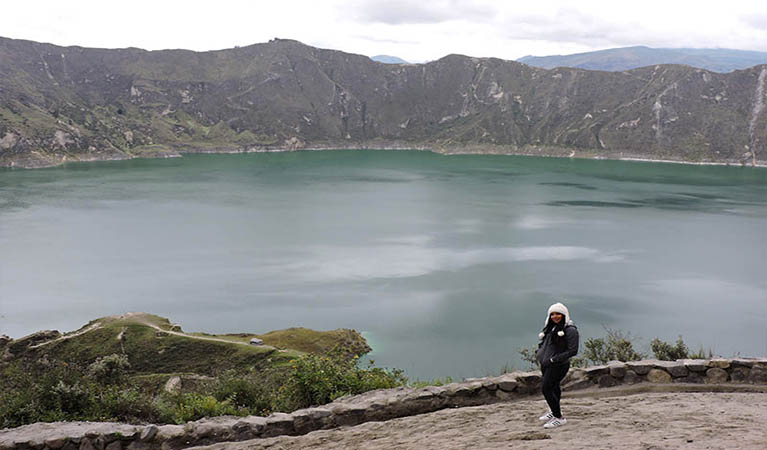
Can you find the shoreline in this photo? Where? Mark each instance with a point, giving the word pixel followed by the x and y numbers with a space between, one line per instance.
pixel 533 151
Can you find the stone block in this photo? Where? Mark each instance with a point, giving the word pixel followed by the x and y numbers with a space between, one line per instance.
pixel 692 377
pixel 148 433
pixel 658 376
pixel 674 368
pixel 490 384
pixel 716 375
pixel 278 424
pixel 631 377
pixel 87 444
pixel 696 365
pixel 758 374
pixel 641 367
pixel 740 374
pixel 508 385
pixel 719 363
pixel 745 362
pixel 617 369
pixel 596 371
pixel 575 385
pixel 55 443
pixel 608 381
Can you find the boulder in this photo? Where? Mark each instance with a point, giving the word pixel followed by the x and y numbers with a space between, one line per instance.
pixel 658 376
pixel 256 341
pixel 716 375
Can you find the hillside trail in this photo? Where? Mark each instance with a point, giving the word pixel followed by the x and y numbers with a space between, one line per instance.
pixel 141 319
pixel 646 421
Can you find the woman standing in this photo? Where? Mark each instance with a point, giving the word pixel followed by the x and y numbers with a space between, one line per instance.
pixel 559 343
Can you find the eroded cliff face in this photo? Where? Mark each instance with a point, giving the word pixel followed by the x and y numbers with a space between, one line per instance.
pixel 73 103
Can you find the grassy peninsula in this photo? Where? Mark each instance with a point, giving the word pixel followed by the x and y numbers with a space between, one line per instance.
pixel 142 368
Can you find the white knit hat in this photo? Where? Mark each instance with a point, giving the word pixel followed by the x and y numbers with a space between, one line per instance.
pixel 561 309
pixel 558 308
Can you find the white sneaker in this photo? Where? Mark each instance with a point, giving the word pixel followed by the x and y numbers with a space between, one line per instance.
pixel 553 423
pixel 546 417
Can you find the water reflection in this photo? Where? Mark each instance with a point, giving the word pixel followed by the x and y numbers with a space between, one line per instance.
pixel 447 263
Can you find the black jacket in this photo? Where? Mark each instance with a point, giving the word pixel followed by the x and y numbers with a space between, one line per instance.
pixel 555 349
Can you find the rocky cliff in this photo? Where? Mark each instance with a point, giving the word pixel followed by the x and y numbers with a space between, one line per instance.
pixel 72 103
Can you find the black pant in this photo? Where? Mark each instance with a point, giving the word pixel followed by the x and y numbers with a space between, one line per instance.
pixel 552 376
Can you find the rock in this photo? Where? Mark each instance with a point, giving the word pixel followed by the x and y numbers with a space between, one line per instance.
pixel 631 377
pixel 716 375
pixel 758 374
pixel 617 369
pixel 696 365
pixel 740 374
pixel 596 371
pixel 4 340
pixel 508 385
pixel 148 433
pixel 55 443
pixel 658 376
pixel 674 368
pixel 173 385
pixel 277 424
pixel 692 377
pixel 719 363
pixel 641 367
pixel 86 444
pixel 256 341
pixel 490 385
pixel 116 445
pixel 745 362
pixel 608 381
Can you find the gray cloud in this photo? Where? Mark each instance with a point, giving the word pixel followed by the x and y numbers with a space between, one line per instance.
pixel 570 25
pixel 401 12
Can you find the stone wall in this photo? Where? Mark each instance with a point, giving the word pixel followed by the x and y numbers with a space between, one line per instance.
pixel 374 406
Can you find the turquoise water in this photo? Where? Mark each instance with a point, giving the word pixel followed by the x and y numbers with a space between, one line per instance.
pixel 446 263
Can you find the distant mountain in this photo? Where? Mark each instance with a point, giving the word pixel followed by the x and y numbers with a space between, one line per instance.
pixel 62 104
pixel 386 59
pixel 626 58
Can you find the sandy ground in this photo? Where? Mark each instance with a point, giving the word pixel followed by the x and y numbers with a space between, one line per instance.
pixel 671 420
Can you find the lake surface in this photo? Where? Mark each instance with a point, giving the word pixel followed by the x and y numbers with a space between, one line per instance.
pixel 446 263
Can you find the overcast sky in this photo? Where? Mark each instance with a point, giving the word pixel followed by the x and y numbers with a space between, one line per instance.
pixel 414 30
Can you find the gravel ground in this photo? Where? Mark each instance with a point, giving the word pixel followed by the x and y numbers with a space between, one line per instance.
pixel 655 420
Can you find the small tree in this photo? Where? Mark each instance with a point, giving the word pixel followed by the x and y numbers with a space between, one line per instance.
pixel 667 352
pixel 109 369
pixel 616 346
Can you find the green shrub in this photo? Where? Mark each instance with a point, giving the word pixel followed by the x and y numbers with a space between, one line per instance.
pixel 254 393
pixel 316 380
pixel 667 352
pixel 110 369
pixel 616 346
pixel 194 406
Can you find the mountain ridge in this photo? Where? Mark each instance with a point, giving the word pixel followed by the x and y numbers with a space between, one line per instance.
pixel 626 58
pixel 60 104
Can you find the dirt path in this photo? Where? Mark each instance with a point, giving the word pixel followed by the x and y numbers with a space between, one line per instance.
pixel 138 318
pixel 703 420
